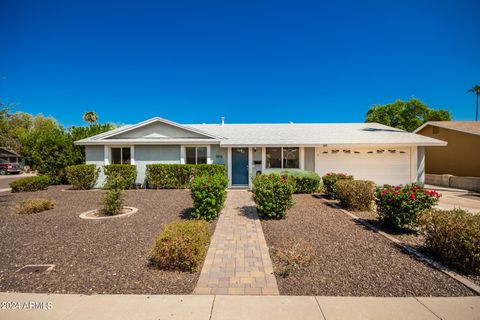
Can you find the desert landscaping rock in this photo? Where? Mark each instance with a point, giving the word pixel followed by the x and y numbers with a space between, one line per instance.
pixel 90 256
pixel 97 214
pixel 351 260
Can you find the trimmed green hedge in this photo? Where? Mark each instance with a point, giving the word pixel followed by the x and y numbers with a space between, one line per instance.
pixel 208 194
pixel 329 182
pixel 273 194
pixel 82 176
pixel 178 176
pixel 30 184
pixel 305 181
pixel 127 173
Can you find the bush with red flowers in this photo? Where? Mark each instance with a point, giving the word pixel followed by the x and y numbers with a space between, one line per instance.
pixel 329 182
pixel 399 206
pixel 208 193
pixel 273 194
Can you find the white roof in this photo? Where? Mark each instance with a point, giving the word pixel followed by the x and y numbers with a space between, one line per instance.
pixel 312 134
pixel 295 134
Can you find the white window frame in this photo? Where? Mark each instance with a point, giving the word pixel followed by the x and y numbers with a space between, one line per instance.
pixel 183 153
pixel 300 158
pixel 108 154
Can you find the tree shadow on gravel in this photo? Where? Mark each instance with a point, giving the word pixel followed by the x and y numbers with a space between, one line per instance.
pixel 186 214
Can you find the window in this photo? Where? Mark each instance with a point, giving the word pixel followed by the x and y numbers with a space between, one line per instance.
pixel 196 155
pixel 121 155
pixel 282 158
pixel 291 158
pixel 274 157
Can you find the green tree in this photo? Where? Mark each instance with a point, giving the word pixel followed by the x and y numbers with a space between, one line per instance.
pixel 475 89
pixel 79 133
pixel 90 117
pixel 405 115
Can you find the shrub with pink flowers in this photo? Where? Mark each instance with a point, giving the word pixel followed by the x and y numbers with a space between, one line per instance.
pixel 330 179
pixel 399 206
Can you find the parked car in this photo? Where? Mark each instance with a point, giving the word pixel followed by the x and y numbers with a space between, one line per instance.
pixel 8 167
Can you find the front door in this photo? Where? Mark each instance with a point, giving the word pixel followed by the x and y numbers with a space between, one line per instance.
pixel 240 166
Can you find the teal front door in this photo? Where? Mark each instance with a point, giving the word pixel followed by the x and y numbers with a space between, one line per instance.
pixel 240 166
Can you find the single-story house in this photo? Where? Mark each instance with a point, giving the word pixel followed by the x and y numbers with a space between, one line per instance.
pixel 462 155
pixel 10 156
pixel 366 150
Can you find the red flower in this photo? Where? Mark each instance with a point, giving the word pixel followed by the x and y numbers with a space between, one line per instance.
pixel 412 196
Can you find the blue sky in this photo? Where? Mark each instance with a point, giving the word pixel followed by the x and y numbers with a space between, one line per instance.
pixel 250 61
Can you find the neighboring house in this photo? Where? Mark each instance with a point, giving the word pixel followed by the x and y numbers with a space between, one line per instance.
pixel 10 156
pixel 462 155
pixel 367 150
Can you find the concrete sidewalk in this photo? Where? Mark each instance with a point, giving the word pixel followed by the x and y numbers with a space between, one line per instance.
pixel 457 198
pixel 205 307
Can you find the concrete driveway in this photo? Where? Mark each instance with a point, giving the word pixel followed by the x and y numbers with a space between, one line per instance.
pixel 457 198
pixel 5 180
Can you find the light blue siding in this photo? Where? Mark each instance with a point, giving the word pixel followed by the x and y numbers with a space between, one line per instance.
pixel 154 154
pixel 218 155
pixel 96 155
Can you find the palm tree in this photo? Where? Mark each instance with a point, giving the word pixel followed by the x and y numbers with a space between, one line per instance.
pixel 90 117
pixel 476 89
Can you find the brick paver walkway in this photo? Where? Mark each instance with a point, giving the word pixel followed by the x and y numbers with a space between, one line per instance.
pixel 238 261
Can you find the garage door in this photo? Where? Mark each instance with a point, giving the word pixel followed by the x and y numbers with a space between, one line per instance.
pixel 382 166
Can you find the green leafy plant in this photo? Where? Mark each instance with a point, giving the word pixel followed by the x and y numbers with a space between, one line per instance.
pixel 329 183
pixel 82 176
pixel 178 176
pixel 208 194
pixel 127 173
pixel 273 194
pixel 356 194
pixel 453 236
pixel 305 181
pixel 30 184
pixel 182 245
pixel 31 206
pixel 399 206
pixel 114 199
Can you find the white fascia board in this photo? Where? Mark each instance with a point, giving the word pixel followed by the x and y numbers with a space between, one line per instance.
pixel 438 143
pixel 158 119
pixel 145 142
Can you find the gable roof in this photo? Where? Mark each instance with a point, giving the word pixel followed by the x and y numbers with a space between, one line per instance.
pixel 472 127
pixel 106 137
pixel 311 134
pixel 299 134
pixel 4 152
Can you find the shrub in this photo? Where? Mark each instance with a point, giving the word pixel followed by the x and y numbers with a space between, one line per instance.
pixel 356 194
pixel 273 194
pixel 178 176
pixel 208 194
pixel 127 172
pixel 114 199
pixel 82 176
pixel 330 180
pixel 305 181
pixel 33 206
pixel 453 236
pixel 182 245
pixel 399 206
pixel 30 184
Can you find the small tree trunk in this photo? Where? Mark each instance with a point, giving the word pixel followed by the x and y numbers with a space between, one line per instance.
pixel 476 110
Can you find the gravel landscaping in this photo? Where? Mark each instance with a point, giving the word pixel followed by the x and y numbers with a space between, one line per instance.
pixel 350 260
pixel 411 238
pixel 90 256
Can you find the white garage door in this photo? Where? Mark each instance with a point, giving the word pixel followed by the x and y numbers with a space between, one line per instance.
pixel 382 166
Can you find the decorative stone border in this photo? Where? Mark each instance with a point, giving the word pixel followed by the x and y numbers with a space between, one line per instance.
pixel 89 214
pixel 419 256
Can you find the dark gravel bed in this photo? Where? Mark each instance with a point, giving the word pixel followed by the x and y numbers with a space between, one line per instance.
pixel 90 256
pixel 350 259
pixel 413 239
